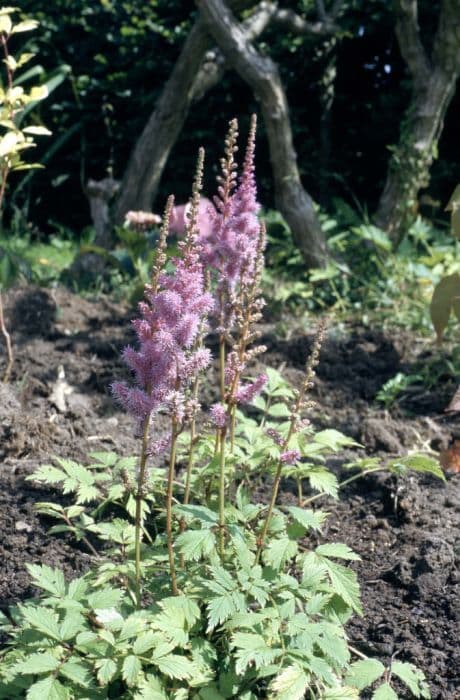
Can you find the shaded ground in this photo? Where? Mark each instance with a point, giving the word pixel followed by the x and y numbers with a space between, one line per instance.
pixel 407 533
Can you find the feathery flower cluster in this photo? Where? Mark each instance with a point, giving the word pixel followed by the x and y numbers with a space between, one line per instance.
pixel 171 319
pixel 290 457
pixel 142 220
pixel 229 243
pixel 218 415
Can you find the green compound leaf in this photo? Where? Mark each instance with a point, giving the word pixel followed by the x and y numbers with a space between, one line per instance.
pixel 253 649
pixel 77 672
pixel 106 669
pixel 176 666
pixel 51 580
pixel 131 669
pixel 43 620
pixel 345 584
pixel 37 664
pixel 385 692
pixel 364 672
pixel 279 552
pixel 419 463
pixel 195 544
pixel 48 689
pixel 308 518
pixel 290 684
pixel 413 677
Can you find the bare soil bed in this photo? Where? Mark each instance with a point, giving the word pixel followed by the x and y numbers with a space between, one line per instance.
pixel 407 533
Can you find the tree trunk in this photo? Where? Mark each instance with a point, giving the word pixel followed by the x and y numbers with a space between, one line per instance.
pixel 196 71
pixel 152 149
pixel 262 75
pixel 434 82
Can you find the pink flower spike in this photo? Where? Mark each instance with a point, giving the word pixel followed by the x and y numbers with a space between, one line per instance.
pixel 290 457
pixel 218 415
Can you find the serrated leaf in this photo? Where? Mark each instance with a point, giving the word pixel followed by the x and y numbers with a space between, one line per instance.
pixel 106 670
pixel 324 481
pixel 176 666
pixel 419 463
pixel 253 649
pixel 411 676
pixel 48 689
pixel 345 584
pixel 290 684
pixel 334 439
pixel 364 672
pixel 308 518
pixel 194 544
pixel 384 692
pixel 51 580
pixel 105 599
pixel 338 550
pixel 144 642
pixel 279 551
pixel 77 672
pixel 72 624
pixel 206 516
pixel 43 620
pixel 131 669
pixel 151 689
pixel 36 664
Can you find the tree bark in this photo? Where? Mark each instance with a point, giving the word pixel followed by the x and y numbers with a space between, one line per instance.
pixel 152 149
pixel 433 86
pixel 262 75
pixel 199 67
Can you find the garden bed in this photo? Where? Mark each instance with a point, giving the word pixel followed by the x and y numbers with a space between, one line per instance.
pixel 407 533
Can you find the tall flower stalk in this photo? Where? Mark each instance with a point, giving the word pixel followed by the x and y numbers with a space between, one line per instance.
pixel 168 360
pixel 287 455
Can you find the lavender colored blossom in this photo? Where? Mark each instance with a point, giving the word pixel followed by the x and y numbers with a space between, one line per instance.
pixel 290 457
pixel 218 415
pixel 171 318
pixel 275 436
pixel 247 392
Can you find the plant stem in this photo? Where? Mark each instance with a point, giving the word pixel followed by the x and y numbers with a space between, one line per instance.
pixel 299 492
pixel 138 514
pixel 9 349
pixel 222 366
pixel 344 483
pixel 169 504
pixel 271 506
pixel 222 492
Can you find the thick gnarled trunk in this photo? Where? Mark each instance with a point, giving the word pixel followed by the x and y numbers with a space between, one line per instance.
pixel 434 80
pixel 262 75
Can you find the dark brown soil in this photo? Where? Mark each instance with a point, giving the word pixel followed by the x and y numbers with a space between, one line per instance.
pixel 407 533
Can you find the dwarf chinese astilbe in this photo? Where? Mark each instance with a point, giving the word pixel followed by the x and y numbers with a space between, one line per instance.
pixel 257 610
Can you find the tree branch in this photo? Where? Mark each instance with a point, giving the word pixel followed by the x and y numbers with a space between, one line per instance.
pixel 262 75
pixel 296 24
pixel 410 44
pixel 215 65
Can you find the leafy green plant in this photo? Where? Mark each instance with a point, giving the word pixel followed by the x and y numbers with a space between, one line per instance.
pixel 15 102
pixel 197 589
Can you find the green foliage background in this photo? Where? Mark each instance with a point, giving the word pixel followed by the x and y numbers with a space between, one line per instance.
pixel 119 54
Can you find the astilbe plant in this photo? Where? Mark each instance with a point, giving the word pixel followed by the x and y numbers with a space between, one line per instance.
pixel 196 591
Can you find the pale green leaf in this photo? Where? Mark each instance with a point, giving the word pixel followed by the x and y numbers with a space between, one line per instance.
pixel 36 664
pixel 324 481
pixel 308 518
pixel 48 689
pixel 77 672
pixel 43 620
pixel 194 544
pixel 334 439
pixel 27 26
pixel 342 693
pixel 176 666
pixel 290 684
pixel 279 551
pixel 413 677
pixel 385 692
pixel 345 584
pixel 106 669
pixel 51 580
pixel 364 672
pixel 131 669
